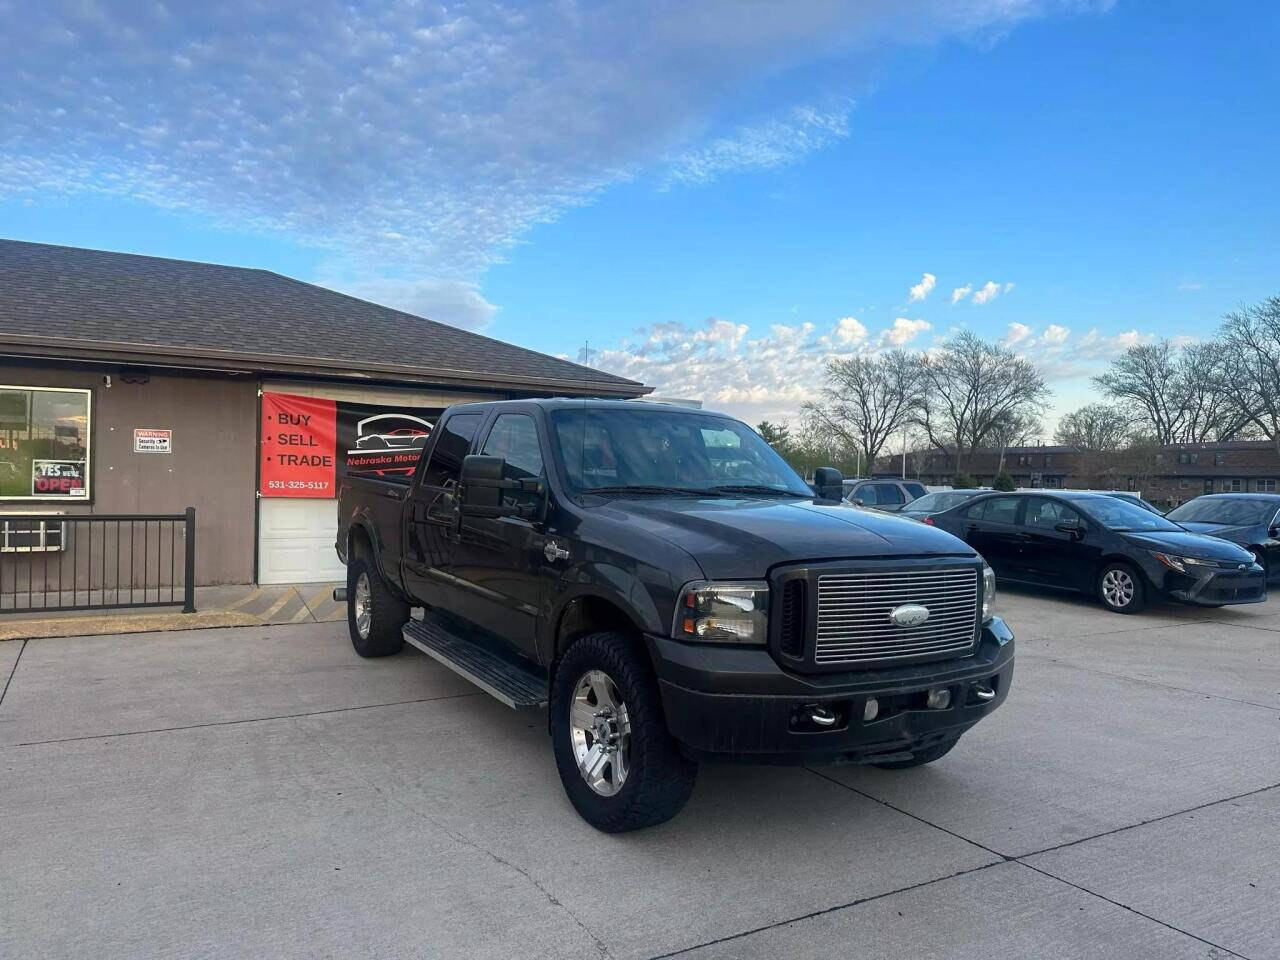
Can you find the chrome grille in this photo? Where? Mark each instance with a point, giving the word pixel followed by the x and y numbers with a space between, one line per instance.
pixel 853 615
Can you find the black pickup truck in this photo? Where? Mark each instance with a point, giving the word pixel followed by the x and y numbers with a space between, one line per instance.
pixel 674 592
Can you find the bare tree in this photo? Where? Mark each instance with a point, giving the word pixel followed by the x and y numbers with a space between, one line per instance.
pixel 1015 430
pixel 969 387
pixel 867 400
pixel 1096 427
pixel 1147 377
pixel 1248 363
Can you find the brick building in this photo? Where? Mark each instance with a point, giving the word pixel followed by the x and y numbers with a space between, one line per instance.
pixel 1165 475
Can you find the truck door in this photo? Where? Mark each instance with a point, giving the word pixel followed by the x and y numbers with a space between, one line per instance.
pixel 500 561
pixel 431 512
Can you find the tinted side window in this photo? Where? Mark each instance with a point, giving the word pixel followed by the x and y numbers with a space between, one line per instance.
pixel 890 493
pixel 866 495
pixel 514 437
pixel 1045 514
pixel 916 490
pixel 999 509
pixel 453 442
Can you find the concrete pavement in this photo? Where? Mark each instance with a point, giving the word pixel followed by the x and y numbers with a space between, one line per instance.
pixel 263 792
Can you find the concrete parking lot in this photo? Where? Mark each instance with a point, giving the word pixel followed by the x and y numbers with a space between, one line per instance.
pixel 262 792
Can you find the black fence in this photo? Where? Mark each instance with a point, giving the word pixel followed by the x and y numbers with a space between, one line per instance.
pixel 88 562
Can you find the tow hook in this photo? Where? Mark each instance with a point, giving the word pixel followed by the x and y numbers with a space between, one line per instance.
pixel 982 690
pixel 822 716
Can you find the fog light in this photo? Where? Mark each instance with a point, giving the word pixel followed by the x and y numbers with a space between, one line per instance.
pixel 871 710
pixel 938 699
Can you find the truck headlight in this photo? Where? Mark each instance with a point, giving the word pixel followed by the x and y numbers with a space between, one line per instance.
pixel 988 593
pixel 1181 563
pixel 733 611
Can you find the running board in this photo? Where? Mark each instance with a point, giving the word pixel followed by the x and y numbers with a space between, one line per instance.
pixel 503 677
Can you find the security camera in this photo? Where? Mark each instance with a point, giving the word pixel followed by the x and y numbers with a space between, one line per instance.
pixel 106 380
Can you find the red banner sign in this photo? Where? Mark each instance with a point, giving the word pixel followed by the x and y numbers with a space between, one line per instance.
pixel 299 445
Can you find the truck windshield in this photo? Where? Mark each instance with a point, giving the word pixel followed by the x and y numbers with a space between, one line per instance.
pixel 666 450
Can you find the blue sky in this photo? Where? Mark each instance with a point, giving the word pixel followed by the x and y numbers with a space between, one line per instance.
pixel 718 196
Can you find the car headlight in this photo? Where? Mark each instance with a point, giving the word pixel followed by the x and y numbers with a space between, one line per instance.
pixel 988 593
pixel 734 611
pixel 1181 563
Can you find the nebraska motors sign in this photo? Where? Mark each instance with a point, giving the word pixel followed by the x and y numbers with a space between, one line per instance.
pixel 309 443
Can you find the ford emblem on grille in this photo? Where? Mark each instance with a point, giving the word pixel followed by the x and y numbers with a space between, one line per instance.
pixel 909 615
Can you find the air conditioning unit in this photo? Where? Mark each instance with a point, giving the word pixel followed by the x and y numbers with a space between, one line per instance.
pixel 32 536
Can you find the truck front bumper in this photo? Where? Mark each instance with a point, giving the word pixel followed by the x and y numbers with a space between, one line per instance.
pixel 739 704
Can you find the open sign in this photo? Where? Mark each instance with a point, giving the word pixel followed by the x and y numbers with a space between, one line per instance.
pixel 57 478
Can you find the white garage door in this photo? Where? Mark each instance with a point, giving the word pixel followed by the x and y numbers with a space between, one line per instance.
pixel 295 541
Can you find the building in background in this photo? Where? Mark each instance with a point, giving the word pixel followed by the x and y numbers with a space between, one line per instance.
pixel 133 384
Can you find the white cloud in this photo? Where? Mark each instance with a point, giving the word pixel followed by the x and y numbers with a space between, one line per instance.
pixel 455 302
pixel 1018 333
pixel 903 332
pixel 424 140
pixel 762 146
pixel 1190 287
pixel 1055 333
pixel 988 292
pixel 849 330
pixel 922 289
pixel 959 293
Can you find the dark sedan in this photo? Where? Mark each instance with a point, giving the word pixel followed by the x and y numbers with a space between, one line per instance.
pixel 1121 553
pixel 1249 519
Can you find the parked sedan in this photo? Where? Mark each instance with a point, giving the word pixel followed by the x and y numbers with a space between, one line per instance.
pixel 931 503
pixel 1249 519
pixel 1121 553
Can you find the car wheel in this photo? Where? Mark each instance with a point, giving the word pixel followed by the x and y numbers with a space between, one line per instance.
pixel 620 767
pixel 920 757
pixel 375 615
pixel 1120 588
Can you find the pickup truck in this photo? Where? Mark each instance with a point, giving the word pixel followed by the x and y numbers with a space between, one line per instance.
pixel 674 593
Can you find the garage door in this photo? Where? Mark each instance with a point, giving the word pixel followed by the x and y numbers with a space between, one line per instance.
pixel 295 541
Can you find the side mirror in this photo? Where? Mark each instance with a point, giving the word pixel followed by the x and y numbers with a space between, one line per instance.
pixel 1274 533
pixel 828 483
pixel 482 486
pixel 1070 526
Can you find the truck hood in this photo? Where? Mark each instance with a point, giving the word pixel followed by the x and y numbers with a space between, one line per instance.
pixel 735 538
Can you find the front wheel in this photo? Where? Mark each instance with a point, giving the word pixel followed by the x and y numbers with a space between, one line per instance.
pixel 375 615
pixel 620 767
pixel 1121 589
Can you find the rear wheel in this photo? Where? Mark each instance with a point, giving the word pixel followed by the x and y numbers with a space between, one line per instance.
pixel 620 767
pixel 374 614
pixel 920 757
pixel 1120 588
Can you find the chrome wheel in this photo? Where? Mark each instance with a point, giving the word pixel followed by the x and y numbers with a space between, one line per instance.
pixel 600 732
pixel 363 606
pixel 1118 588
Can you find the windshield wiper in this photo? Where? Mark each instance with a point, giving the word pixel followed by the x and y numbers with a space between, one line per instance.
pixel 758 488
pixel 645 488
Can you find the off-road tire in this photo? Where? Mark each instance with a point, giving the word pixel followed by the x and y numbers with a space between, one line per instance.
pixel 388 612
pixel 920 757
pixel 660 779
pixel 1138 599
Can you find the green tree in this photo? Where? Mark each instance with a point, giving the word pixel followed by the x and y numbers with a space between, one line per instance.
pixel 962 481
pixel 1004 481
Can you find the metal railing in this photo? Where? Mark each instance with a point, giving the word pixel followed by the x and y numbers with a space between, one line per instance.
pixel 95 562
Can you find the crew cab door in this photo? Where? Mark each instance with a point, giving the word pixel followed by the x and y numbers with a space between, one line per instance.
pixel 501 563
pixel 431 512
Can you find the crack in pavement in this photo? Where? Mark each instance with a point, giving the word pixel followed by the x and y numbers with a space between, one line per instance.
pixel 1151 683
pixel 318 738
pixel 1021 858
pixel 21 651
pixel 231 723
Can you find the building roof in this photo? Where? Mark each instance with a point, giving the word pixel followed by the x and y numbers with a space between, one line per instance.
pixel 71 303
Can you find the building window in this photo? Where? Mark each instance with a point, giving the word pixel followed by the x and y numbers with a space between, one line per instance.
pixel 1265 486
pixel 1024 461
pixel 1051 481
pixel 1219 459
pixel 44 443
pixel 1232 486
pixel 1184 484
pixel 1188 457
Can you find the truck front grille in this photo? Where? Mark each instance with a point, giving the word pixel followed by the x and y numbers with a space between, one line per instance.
pixel 854 624
pixel 791 623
